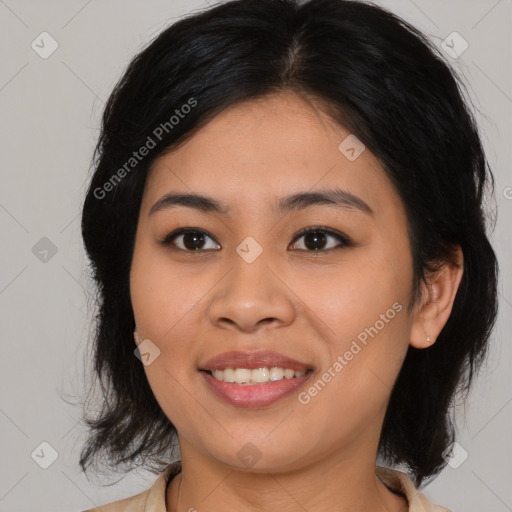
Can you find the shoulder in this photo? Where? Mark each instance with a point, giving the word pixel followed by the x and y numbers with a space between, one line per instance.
pixel 151 500
pixel 399 482
pixel 135 503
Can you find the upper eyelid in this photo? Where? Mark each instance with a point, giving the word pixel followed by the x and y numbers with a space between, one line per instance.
pixel 183 231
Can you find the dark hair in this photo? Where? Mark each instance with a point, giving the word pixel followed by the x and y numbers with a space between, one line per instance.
pixel 383 81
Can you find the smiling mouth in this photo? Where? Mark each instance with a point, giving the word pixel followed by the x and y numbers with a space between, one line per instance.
pixel 268 386
pixel 251 377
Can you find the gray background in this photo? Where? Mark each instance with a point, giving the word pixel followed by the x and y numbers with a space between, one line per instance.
pixel 50 112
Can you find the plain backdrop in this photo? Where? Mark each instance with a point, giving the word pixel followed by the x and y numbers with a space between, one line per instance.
pixel 50 109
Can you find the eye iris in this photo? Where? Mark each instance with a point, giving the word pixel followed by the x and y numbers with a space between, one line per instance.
pixel 315 237
pixel 196 239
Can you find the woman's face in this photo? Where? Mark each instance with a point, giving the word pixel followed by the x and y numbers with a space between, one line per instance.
pixel 255 283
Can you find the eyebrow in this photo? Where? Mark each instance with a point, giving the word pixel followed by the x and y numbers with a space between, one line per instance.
pixel 333 197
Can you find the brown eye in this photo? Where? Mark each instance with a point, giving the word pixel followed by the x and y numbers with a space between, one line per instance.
pixel 317 239
pixel 189 240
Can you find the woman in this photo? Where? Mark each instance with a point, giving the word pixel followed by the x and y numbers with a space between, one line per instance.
pixel 286 226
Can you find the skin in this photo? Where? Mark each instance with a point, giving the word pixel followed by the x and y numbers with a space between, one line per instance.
pixel 306 304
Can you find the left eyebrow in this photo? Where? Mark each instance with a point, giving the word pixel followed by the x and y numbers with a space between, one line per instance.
pixel 301 200
pixel 335 197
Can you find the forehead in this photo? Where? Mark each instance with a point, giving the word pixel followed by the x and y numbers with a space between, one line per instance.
pixel 254 152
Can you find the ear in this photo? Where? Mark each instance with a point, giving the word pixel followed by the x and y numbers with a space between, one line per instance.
pixel 435 306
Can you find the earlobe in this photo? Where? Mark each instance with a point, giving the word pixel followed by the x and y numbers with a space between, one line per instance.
pixel 437 301
pixel 136 336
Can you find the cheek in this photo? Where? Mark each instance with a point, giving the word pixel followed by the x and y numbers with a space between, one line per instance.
pixel 352 295
pixel 163 301
pixel 363 310
pixel 164 293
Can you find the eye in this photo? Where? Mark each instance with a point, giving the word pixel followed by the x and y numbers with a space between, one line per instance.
pixel 190 240
pixel 316 239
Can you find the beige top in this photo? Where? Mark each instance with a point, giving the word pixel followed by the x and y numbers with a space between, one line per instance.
pixel 153 500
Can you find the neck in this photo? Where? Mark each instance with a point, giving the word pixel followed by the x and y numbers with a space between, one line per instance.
pixel 327 485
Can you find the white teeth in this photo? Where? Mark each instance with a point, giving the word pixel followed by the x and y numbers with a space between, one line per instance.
pixel 276 373
pixel 242 375
pixel 288 374
pixel 255 376
pixel 260 375
pixel 229 375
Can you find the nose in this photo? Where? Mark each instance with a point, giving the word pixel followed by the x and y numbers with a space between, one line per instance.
pixel 252 296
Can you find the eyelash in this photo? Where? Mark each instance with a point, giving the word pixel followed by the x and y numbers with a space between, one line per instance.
pixel 343 239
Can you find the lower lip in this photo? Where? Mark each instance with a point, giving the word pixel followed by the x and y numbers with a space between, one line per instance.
pixel 254 395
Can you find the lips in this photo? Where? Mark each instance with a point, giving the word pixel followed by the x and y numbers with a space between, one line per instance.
pixel 254 396
pixel 252 360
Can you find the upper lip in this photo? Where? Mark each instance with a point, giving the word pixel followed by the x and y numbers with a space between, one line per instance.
pixel 252 360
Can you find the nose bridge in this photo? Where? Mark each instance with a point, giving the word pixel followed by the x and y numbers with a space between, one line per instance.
pixel 251 294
